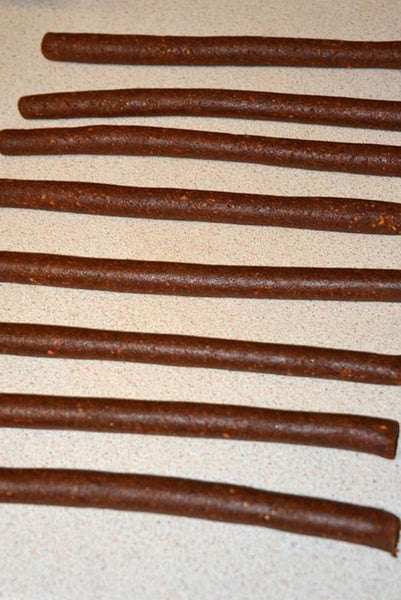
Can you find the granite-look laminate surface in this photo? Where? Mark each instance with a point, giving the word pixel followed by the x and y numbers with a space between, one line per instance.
pixel 68 553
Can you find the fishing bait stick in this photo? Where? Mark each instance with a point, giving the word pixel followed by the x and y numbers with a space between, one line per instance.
pixel 363 525
pixel 151 102
pixel 134 140
pixel 189 351
pixel 320 213
pixel 186 279
pixel 239 51
pixel 348 432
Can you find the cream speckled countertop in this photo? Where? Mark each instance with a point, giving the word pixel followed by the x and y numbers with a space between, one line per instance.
pixel 67 553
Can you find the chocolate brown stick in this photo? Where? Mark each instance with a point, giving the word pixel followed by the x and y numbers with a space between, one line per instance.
pixel 238 51
pixel 189 351
pixel 367 159
pixel 202 500
pixel 321 110
pixel 349 432
pixel 332 214
pixel 186 279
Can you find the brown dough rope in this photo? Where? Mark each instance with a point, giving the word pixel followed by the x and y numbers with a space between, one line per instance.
pixel 363 525
pixel 238 51
pixel 321 213
pixel 186 279
pixel 189 351
pixel 348 432
pixel 322 110
pixel 367 159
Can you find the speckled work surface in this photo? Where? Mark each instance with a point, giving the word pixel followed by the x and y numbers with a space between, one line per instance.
pixel 66 553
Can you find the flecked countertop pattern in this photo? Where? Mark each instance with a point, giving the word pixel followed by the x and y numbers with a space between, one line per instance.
pixel 61 553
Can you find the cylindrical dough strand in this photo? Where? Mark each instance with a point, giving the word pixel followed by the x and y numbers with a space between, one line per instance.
pixel 349 432
pixel 363 525
pixel 240 51
pixel 186 279
pixel 54 341
pixel 150 102
pixel 321 213
pixel 135 140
